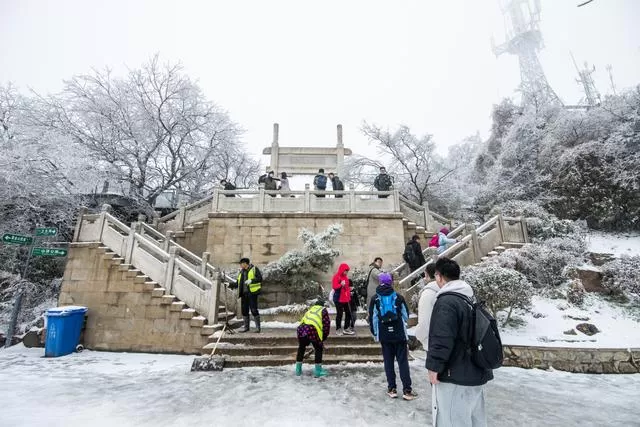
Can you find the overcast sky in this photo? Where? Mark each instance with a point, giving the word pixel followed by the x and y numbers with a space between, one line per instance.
pixel 312 65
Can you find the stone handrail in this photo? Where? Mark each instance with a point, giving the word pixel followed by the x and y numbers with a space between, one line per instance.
pixel 478 242
pixel 180 272
pixel 422 215
pixel 425 251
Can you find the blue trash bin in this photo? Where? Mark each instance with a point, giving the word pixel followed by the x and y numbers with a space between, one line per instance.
pixel 64 325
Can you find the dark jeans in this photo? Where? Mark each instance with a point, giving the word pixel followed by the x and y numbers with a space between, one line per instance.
pixel 249 301
pixel 353 307
pixel 303 342
pixel 390 352
pixel 343 308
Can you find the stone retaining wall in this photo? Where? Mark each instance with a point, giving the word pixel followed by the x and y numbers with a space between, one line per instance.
pixel 579 360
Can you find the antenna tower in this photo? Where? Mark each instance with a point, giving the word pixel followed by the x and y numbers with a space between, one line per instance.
pixel 524 39
pixel 592 97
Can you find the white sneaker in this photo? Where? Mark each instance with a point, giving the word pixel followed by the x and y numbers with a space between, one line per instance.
pixel 349 332
pixel 338 331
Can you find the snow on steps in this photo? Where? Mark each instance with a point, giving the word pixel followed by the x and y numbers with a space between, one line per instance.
pixel 143 283
pixel 278 346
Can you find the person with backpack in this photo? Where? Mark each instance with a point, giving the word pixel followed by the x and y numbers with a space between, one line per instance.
pixel 227 186
pixel 270 183
pixel 314 329
pixel 383 182
pixel 443 241
pixel 389 314
pixel 342 297
pixel 375 268
pixel 320 182
pixel 425 305
pixel 336 184
pixel 464 347
pixel 413 255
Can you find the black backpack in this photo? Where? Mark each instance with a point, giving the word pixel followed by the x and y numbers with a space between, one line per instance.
pixel 262 179
pixel 321 182
pixel 409 255
pixel 485 344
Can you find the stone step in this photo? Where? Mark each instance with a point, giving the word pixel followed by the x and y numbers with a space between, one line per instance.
pixel 248 350
pixel 411 225
pixel 131 273
pixel 117 261
pixel 189 229
pixel 177 306
pixel 199 224
pixel 287 336
pixel 198 321
pixel 492 254
pixel 124 267
pixel 512 245
pixel 179 234
pixel 108 255
pixel 222 316
pixel 158 292
pixel 141 279
pixel 278 360
pixel 484 258
pixel 187 313
pixel 212 329
pixel 168 299
pixel 102 249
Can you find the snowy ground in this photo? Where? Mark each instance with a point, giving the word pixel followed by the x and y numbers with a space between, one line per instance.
pixel 106 389
pixel 617 244
pixel 550 318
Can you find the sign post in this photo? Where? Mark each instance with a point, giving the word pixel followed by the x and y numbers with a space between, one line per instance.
pixel 16 239
pixel 46 231
pixel 49 252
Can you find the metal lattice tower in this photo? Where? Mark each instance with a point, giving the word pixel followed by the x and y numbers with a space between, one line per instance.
pixel 591 94
pixel 524 39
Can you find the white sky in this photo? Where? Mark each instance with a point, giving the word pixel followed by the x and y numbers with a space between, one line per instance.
pixel 312 65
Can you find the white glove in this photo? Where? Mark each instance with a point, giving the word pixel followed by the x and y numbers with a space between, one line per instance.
pixel 248 281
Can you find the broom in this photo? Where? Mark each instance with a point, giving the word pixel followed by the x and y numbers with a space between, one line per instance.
pixel 208 363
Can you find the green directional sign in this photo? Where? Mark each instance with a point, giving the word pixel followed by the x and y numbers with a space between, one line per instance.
pixel 17 239
pixel 46 231
pixel 48 252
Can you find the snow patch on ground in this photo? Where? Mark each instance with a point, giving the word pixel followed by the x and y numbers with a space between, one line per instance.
pixel 550 318
pixel 614 243
pixel 126 389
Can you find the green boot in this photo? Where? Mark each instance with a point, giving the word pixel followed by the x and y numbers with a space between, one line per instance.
pixel 298 369
pixel 319 371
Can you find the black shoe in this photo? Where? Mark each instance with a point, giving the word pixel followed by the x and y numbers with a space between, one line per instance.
pixel 246 324
pixel 257 320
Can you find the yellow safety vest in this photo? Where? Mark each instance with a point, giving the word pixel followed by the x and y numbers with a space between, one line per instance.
pixel 313 317
pixel 253 287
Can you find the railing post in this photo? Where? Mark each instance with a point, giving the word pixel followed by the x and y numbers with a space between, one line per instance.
pixel 215 201
pixel 352 198
pixel 182 213
pixel 523 229
pixel 131 241
pixel 501 227
pixel 76 231
pixel 261 196
pixel 205 260
pixel 103 218
pixel 427 216
pixel 476 246
pixel 307 198
pixel 214 299
pixel 396 201
pixel 168 275
pixel 168 237
pixel 142 218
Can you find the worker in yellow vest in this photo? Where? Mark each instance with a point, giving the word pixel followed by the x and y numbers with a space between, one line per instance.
pixel 314 329
pixel 249 284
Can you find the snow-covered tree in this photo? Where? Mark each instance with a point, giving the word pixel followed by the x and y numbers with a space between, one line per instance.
pixel 299 270
pixel 154 128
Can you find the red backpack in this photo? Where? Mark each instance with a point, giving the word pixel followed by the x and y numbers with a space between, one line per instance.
pixel 434 242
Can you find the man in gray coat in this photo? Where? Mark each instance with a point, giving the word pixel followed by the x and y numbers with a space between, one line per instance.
pixel 375 268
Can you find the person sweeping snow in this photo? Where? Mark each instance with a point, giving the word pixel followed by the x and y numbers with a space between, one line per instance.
pixel 314 329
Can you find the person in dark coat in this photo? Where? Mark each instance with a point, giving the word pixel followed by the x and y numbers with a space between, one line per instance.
pixel 336 184
pixel 458 383
pixel 413 255
pixel 314 329
pixel 249 285
pixel 389 314
pixel 227 186
pixel 270 183
pixel 383 182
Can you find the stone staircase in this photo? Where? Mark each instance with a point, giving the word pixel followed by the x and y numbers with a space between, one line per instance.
pixel 278 346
